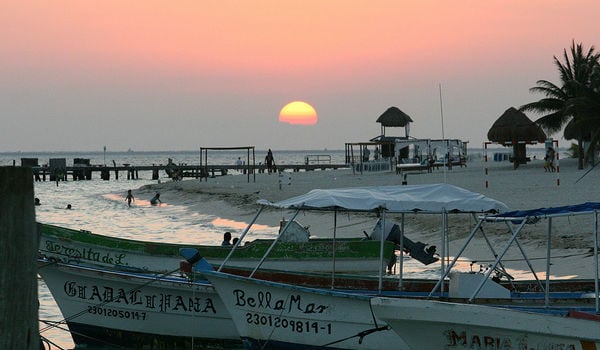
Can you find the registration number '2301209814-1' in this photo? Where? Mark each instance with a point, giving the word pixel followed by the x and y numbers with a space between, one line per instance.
pixel 281 322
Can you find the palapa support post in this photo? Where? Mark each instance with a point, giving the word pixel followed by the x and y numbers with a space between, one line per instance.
pixel 18 267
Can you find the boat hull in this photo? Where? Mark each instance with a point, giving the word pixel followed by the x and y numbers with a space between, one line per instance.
pixel 107 307
pixel 352 255
pixel 271 315
pixel 90 335
pixel 428 324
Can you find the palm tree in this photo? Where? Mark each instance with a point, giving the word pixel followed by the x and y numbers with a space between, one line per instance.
pixel 587 107
pixel 558 107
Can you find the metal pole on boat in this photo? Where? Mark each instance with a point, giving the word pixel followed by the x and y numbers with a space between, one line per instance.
pixel 381 242
pixel 548 257
pixel 499 258
pixel 525 257
pixel 333 247
pixel 596 287
pixel 241 237
pixel 274 242
pixel 18 268
pixel 445 273
pixel 401 268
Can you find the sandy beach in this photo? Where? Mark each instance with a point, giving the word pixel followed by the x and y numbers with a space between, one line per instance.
pixel 528 187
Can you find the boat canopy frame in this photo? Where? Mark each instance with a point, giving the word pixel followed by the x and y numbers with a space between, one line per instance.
pixel 516 221
pixel 440 199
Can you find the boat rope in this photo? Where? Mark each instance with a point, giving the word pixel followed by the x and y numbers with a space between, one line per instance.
pixel 361 335
pixel 273 329
pixel 46 344
pixel 56 324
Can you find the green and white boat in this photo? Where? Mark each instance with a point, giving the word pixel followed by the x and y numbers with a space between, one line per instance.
pixel 351 255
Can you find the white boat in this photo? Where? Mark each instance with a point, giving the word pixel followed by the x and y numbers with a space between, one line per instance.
pixel 431 324
pixel 271 315
pixel 547 320
pixel 111 308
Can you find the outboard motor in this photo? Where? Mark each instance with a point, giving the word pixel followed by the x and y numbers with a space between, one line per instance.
pixel 416 250
pixel 391 232
pixel 294 233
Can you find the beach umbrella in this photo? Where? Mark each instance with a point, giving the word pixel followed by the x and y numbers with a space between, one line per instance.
pixel 514 128
pixel 394 117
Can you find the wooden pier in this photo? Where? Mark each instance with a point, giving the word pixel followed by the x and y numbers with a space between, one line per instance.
pixel 131 172
pixel 57 169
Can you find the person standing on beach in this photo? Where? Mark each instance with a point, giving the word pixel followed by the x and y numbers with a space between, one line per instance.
pixel 270 161
pixel 129 198
pixel 551 156
pixel 549 160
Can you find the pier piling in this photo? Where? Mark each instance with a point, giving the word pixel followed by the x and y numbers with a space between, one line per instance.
pixel 18 267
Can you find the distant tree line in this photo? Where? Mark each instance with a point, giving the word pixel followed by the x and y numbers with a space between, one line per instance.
pixel 573 103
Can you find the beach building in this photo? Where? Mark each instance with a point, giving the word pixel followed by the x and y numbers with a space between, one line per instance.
pixel 514 129
pixel 404 152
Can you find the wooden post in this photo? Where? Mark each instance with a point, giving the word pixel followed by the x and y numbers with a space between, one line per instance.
pixel 18 266
pixel 105 174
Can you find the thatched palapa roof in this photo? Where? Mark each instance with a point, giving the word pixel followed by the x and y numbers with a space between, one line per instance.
pixel 394 117
pixel 513 126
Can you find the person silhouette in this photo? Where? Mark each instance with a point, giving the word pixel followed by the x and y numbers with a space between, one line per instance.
pixel 156 199
pixel 129 198
pixel 270 161
pixel 226 239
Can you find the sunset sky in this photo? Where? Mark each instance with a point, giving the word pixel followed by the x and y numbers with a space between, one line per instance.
pixel 182 74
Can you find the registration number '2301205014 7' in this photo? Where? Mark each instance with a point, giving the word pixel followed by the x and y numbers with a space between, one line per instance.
pixel 108 312
pixel 281 322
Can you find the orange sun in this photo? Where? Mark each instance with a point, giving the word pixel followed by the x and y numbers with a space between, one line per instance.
pixel 298 113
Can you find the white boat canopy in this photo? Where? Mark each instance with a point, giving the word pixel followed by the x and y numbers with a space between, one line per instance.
pixel 434 198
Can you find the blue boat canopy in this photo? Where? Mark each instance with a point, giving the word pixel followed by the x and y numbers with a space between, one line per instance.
pixel 577 209
pixel 434 198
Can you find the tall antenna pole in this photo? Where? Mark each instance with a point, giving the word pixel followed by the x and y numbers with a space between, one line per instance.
pixel 441 110
pixel 447 155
